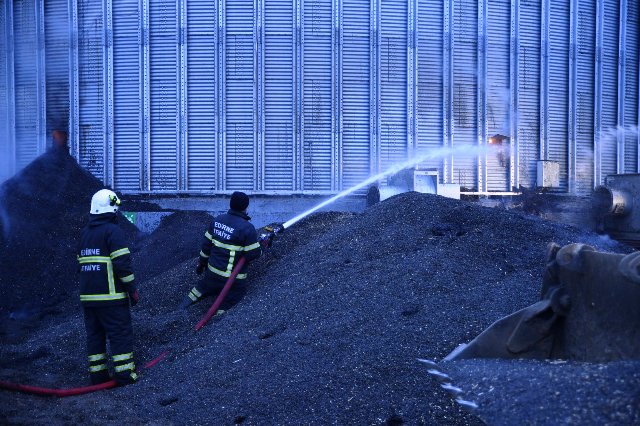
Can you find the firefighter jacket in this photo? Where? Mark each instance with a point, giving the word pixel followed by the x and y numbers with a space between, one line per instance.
pixel 104 263
pixel 229 237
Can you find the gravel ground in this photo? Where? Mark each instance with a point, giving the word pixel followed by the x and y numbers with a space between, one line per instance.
pixel 550 392
pixel 335 315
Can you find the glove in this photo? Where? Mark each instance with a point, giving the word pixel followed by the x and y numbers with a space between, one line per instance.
pixel 201 265
pixel 266 240
pixel 134 297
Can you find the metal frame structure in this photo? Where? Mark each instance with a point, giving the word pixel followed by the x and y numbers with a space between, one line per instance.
pixel 41 119
pixel 107 78
pixel 374 111
pixel 573 77
pixel 482 184
pixel 544 81
pixel 622 60
pixel 597 109
pixel 514 78
pixel 333 148
pixel 11 118
pixel 447 89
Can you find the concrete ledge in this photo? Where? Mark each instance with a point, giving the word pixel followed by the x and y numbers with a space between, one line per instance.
pixel 262 209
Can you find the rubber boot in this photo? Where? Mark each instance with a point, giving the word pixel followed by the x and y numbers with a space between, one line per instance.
pixel 186 302
pixel 125 378
pixel 100 377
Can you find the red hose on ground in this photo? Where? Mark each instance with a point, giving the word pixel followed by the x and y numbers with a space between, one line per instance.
pixel 36 390
pixel 156 359
pixel 227 286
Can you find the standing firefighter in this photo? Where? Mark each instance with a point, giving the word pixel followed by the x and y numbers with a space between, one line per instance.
pixel 107 286
pixel 229 237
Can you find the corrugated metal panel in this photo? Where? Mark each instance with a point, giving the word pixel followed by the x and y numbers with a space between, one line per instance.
pixel 127 101
pixel 57 64
pixel 25 80
pixel 609 115
pixel 558 113
pixel 240 96
pixel 202 44
pixel 498 96
pixel 465 66
pixel 91 86
pixel 323 111
pixel 6 153
pixel 393 81
pixel 356 77
pixel 163 39
pixel 585 96
pixel 529 91
pixel 317 103
pixel 430 79
pixel 631 88
pixel 278 95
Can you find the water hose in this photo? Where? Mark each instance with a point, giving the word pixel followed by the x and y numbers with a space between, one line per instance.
pixel 227 286
pixel 37 390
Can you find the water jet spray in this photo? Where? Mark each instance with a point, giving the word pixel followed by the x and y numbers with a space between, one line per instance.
pixel 432 154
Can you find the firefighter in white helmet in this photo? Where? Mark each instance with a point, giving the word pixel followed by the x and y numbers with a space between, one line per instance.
pixel 107 288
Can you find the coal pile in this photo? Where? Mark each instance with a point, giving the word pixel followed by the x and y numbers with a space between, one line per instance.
pixel 177 238
pixel 335 316
pixel 43 209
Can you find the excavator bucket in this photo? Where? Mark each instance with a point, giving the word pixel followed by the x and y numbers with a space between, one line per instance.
pixel 589 311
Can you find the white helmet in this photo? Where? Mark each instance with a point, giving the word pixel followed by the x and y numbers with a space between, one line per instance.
pixel 104 201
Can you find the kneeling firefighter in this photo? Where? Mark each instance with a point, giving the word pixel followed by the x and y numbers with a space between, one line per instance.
pixel 229 237
pixel 107 287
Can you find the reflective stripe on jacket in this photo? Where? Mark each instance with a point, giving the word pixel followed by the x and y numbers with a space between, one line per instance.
pixel 104 263
pixel 229 237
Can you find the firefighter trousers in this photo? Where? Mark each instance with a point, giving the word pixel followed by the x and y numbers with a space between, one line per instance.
pixel 211 285
pixel 111 323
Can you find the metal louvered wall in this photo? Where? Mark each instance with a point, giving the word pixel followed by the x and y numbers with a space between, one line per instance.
pixel 584 96
pixel 6 97
pixel 528 89
pixel 91 88
pixel 26 70
pixel 314 96
pixel 393 83
pixel 466 75
pixel 165 39
pixel 630 115
pixel 430 113
pixel 127 103
pixel 557 90
pixel 498 96
pixel 317 93
pixel 240 97
pixel 355 91
pixel 56 31
pixel 276 123
pixel 202 108
pixel 606 111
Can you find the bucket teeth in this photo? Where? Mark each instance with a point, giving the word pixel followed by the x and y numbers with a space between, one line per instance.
pixel 450 388
pixel 439 374
pixel 467 404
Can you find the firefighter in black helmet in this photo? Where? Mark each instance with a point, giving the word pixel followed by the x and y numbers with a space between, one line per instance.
pixel 229 237
pixel 107 287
